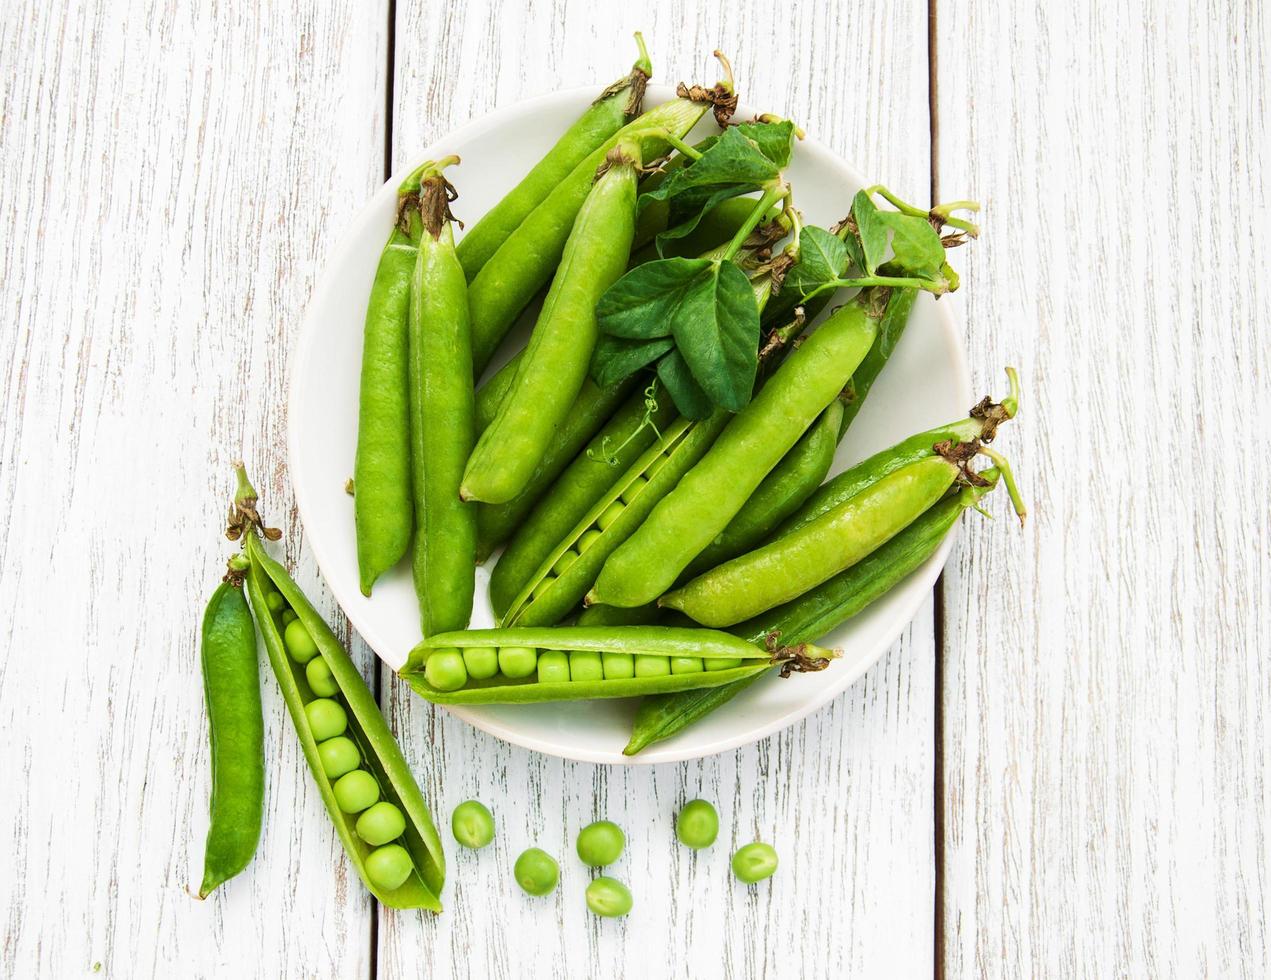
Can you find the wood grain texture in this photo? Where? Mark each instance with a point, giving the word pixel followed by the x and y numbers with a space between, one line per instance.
pixel 174 174
pixel 847 795
pixel 1106 685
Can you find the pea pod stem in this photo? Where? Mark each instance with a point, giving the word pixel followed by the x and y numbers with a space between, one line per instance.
pixel 776 191
pixel 941 214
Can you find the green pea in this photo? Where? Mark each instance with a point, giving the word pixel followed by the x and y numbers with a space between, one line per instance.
pixel 289 616
pixel 600 843
pixel 339 755
pixel 617 666
pixel 536 872
pixel 275 602
pixel 697 824
pixel 587 539
pixel 686 665
pixel 355 791
pixel 584 665
pixel 721 663
pixel 321 680
pixel 472 824
pixel 327 718
pixel 380 824
pixel 482 663
pixel 553 667
pixel 564 561
pixel 633 489
pixel 608 897
pixel 754 862
pixel 299 643
pixel 650 666
pixel 445 671
pixel 388 867
pixel 609 515
pixel 542 586
pixel 518 662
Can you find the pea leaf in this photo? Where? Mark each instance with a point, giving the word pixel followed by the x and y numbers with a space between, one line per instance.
pixel 915 245
pixel 616 358
pixel 871 232
pixel 678 380
pixel 642 303
pixel 822 257
pixel 716 329
pixel 735 164
pixel 775 140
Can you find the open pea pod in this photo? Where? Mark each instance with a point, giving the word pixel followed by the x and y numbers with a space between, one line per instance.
pixel 713 659
pixel 379 751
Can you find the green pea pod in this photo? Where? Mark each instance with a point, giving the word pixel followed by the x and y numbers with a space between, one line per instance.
pixel 790 565
pixel 441 418
pixel 490 394
pixel 236 732
pixel 528 257
pixel 648 615
pixel 383 514
pixel 789 484
pixel 380 754
pixel 547 597
pixel 711 494
pixel 981 424
pixel 611 452
pixel 694 646
pixel 617 104
pixel 813 614
pixel 554 367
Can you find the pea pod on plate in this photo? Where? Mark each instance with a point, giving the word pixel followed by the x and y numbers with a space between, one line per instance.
pixel 578 663
pixel 441 416
pixel 554 365
pixel 236 731
pixel 352 755
pixel 383 513
pixel 617 104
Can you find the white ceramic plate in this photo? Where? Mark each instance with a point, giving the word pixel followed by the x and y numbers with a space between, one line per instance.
pixel 926 383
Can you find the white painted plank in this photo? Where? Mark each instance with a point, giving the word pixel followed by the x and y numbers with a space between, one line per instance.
pixel 1107 692
pixel 174 175
pixel 847 796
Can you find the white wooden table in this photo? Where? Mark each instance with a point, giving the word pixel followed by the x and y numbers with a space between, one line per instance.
pixel 1059 770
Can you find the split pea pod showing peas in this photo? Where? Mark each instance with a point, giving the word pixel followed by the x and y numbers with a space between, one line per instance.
pixel 528 256
pixel 554 366
pixel 353 758
pixel 383 513
pixel 236 732
pixel 714 490
pixel 441 416
pixel 617 104
pixel 577 663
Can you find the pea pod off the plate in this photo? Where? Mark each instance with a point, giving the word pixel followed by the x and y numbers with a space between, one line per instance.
pixel 366 726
